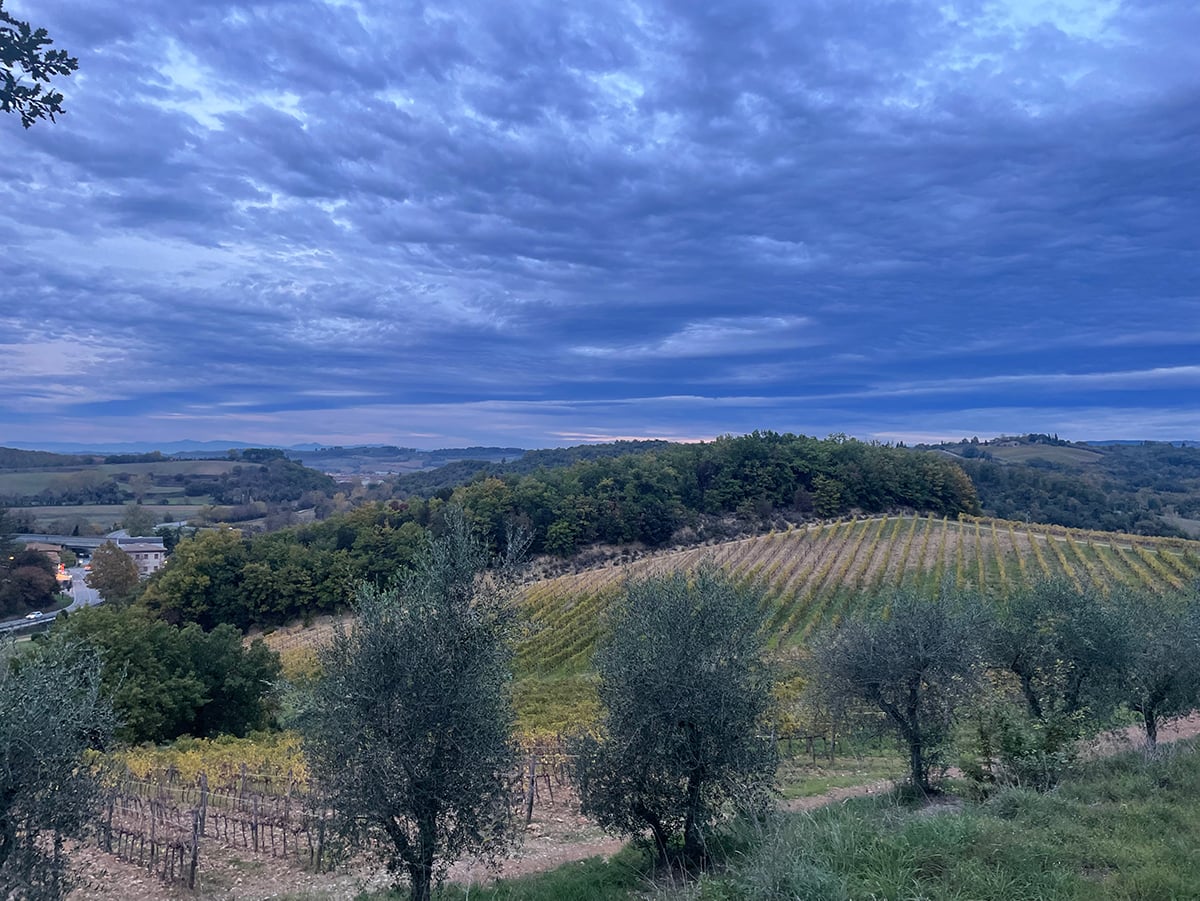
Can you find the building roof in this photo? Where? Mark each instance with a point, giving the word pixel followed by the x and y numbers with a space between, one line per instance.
pixel 42 546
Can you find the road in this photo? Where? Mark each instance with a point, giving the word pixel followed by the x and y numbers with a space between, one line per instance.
pixel 81 596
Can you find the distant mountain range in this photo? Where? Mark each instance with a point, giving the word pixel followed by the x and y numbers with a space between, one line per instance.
pixel 169 448
pixel 141 447
pixel 310 448
pixel 361 460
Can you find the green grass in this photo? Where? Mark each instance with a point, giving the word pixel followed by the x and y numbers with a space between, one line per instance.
pixel 104 515
pixel 163 497
pixel 172 467
pixel 1125 829
pixel 800 778
pixel 23 482
pixel 20 484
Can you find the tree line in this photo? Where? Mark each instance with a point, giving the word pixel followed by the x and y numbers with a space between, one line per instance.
pixel 650 496
pixel 673 492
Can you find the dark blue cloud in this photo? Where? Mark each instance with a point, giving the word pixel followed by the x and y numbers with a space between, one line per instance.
pixel 533 223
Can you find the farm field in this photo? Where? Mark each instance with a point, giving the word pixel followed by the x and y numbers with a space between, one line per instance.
pixel 815 575
pixel 812 576
pixel 20 482
pixel 1023 453
pixel 34 492
pixel 104 516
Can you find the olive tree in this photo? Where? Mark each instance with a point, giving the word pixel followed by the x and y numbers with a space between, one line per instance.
pixel 685 690
pixel 409 730
pixel 1161 677
pixel 1067 650
pixel 51 711
pixel 917 663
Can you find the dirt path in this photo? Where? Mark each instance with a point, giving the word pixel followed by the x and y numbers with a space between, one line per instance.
pixel 813 802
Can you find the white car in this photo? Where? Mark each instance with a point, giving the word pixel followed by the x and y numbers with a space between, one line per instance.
pixel 37 614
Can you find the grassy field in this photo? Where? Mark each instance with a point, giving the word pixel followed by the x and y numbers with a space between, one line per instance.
pixel 104 516
pixel 163 496
pixel 1125 829
pixel 1190 527
pixel 20 482
pixel 1023 453
pixel 168 468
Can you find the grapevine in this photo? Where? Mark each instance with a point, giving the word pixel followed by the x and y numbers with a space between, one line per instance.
pixel 998 553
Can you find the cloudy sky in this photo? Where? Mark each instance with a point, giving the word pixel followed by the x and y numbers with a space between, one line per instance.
pixel 543 223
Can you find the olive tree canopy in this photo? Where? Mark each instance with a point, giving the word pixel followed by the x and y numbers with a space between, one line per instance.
pixel 917 664
pixel 410 728
pixel 51 711
pixel 685 692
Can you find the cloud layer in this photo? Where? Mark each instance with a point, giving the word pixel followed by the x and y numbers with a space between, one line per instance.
pixel 534 224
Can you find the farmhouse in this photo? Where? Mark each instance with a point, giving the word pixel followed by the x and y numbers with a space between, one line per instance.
pixel 148 553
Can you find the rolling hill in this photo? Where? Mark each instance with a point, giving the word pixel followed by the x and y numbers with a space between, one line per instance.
pixel 815 575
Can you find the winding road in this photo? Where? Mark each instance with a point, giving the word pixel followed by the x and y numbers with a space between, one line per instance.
pixel 81 596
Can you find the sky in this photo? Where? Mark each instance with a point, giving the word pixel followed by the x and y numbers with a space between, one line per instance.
pixel 543 223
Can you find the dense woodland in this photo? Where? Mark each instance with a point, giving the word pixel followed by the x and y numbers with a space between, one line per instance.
pixel 470 469
pixel 1143 488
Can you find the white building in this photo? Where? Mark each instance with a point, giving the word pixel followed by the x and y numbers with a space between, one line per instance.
pixel 148 553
